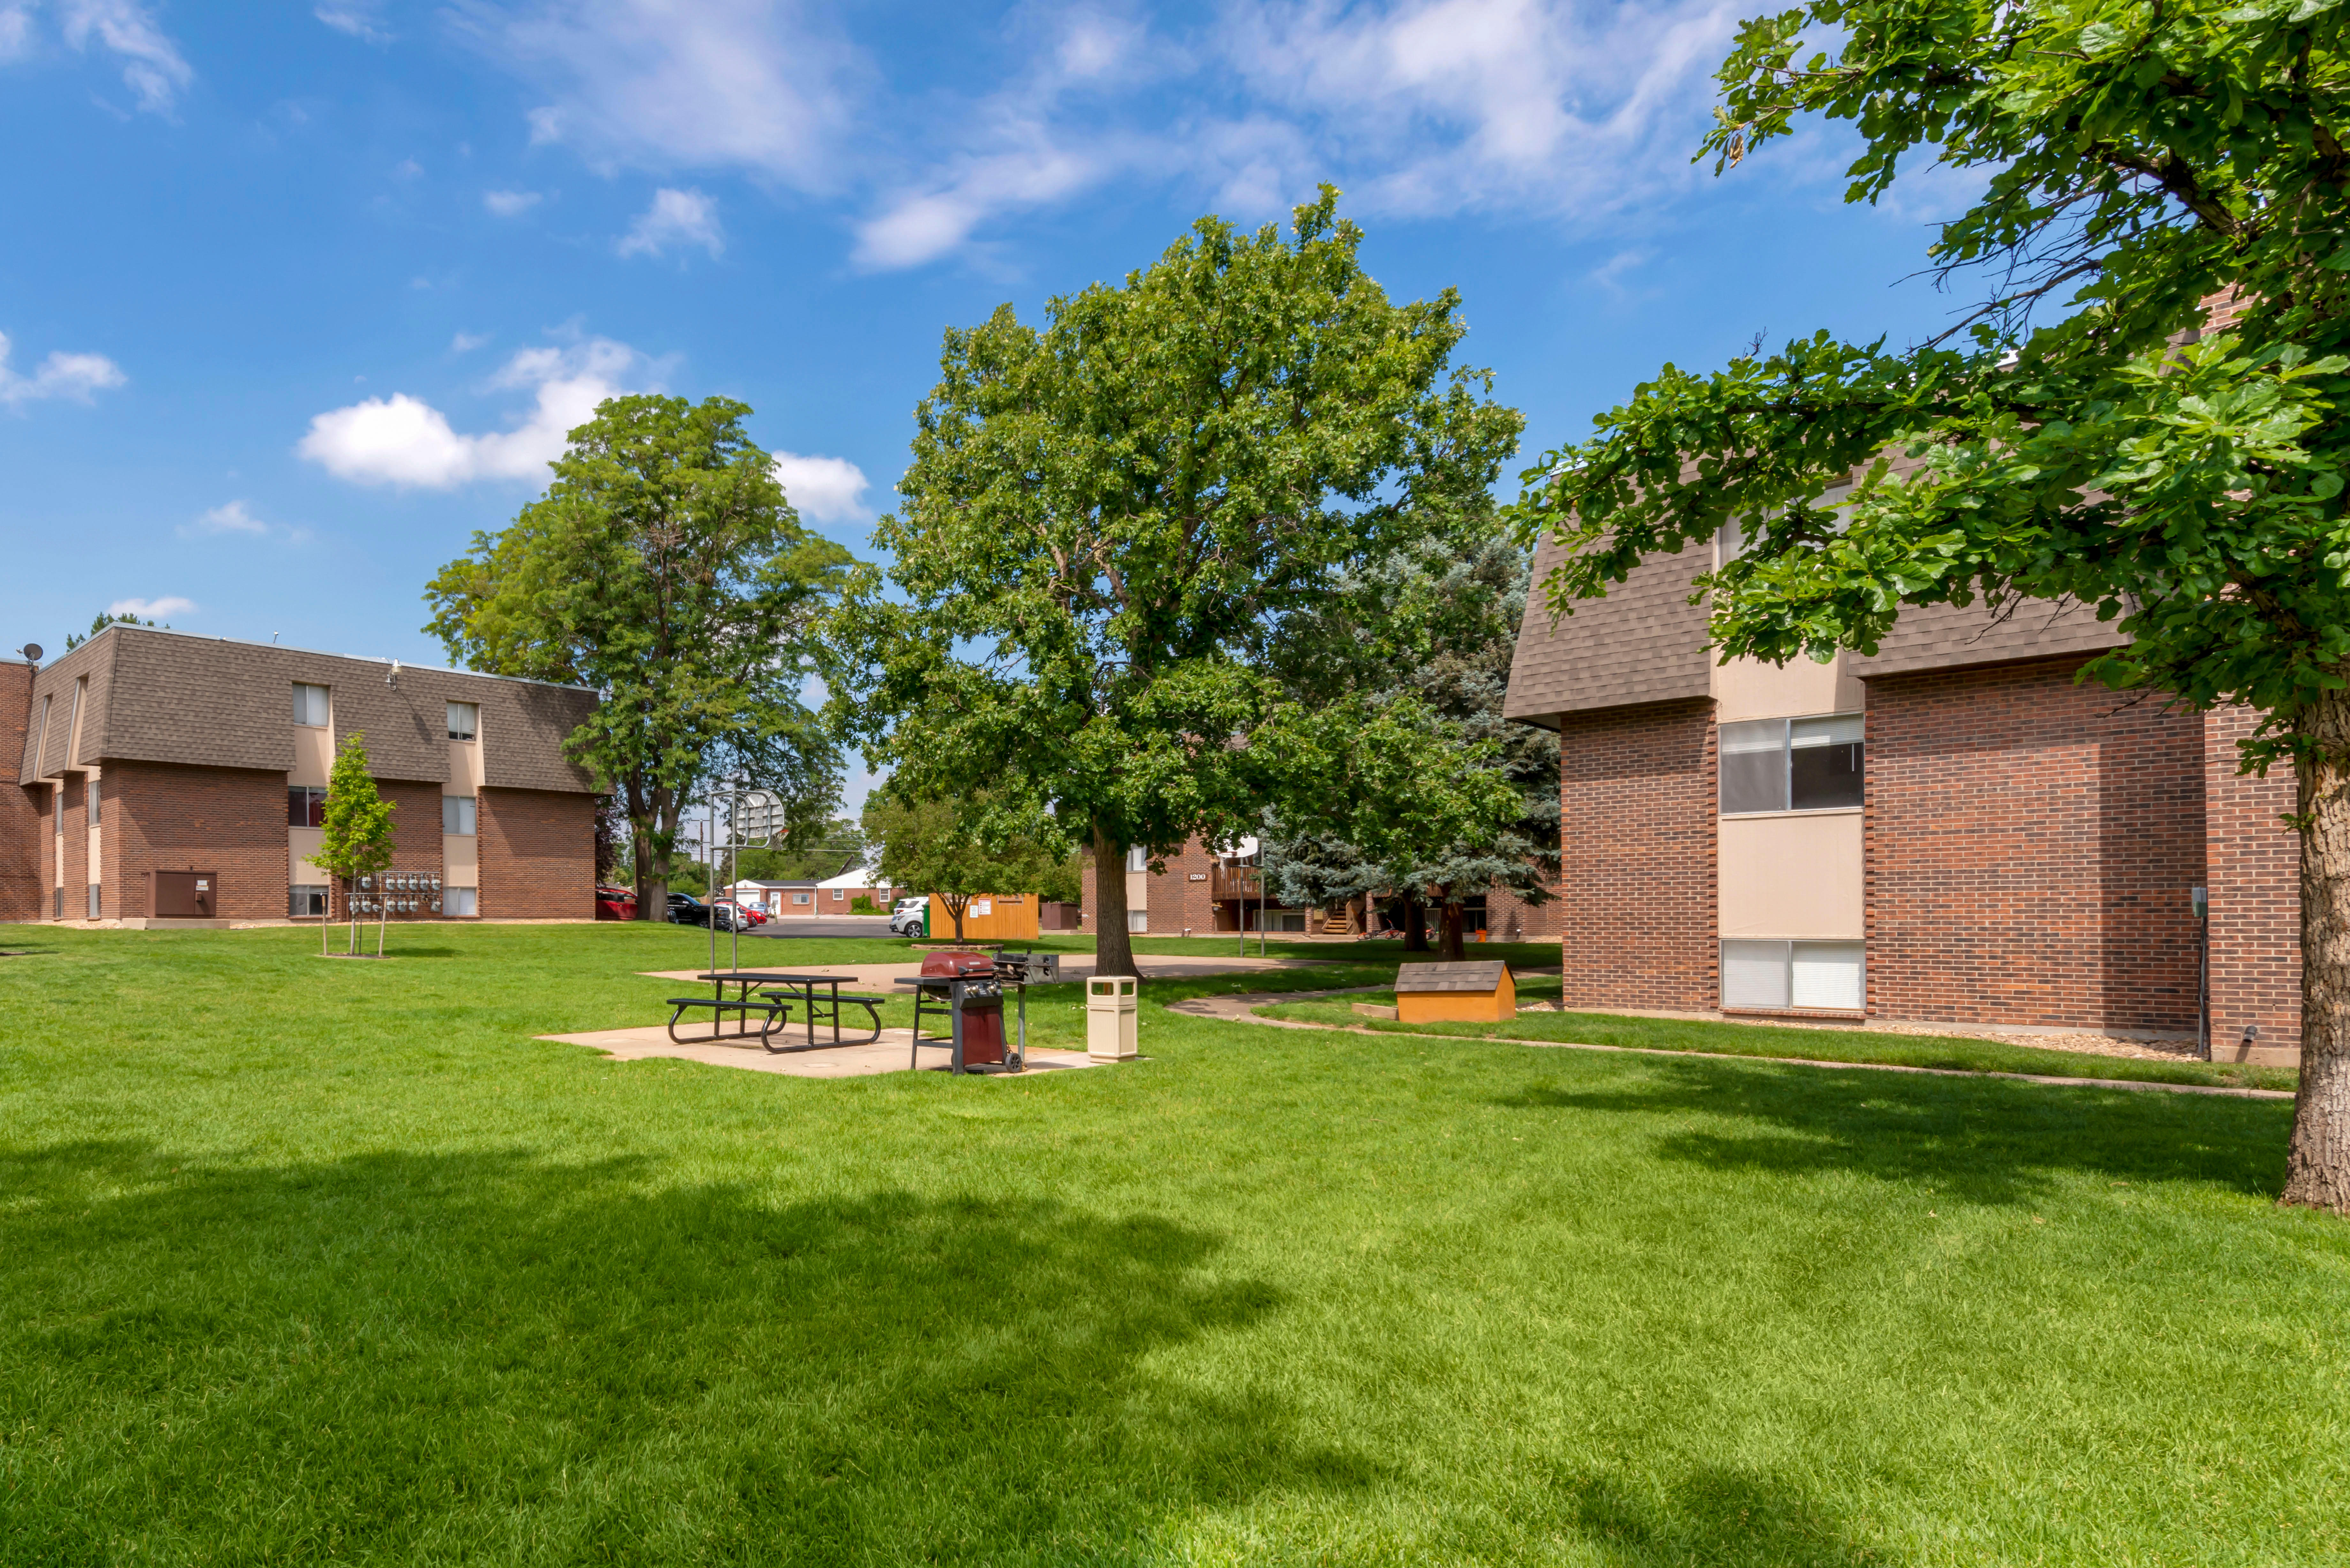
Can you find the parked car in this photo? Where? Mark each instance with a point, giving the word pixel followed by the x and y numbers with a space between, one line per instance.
pixel 615 904
pixel 910 918
pixel 685 910
pixel 758 917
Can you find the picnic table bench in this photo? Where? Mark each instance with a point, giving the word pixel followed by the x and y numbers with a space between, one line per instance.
pixel 782 992
pixel 777 1014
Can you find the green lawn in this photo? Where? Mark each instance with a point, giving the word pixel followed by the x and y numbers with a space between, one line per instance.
pixel 1954 1052
pixel 312 1262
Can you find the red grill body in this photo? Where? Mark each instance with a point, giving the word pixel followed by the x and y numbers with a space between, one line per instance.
pixel 951 965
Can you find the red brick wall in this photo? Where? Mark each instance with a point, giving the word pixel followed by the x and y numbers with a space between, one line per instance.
pixel 1637 798
pixel 538 855
pixel 21 887
pixel 2031 846
pixel 168 816
pixel 2254 865
pixel 75 847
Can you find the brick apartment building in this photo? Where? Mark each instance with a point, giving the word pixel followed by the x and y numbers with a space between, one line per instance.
pixel 1202 892
pixel 145 749
pixel 1948 831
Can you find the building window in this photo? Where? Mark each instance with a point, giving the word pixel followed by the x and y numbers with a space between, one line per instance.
pixel 1813 976
pixel 464 718
pixel 1138 858
pixel 458 901
pixel 92 791
pixel 310 706
pixel 838 895
pixel 1791 764
pixel 303 901
pixel 305 807
pixel 803 897
pixel 459 814
pixel 93 900
pixel 1138 919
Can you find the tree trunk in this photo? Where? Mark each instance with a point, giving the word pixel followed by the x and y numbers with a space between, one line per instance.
pixel 351 908
pixel 1415 925
pixel 2317 1163
pixel 1113 947
pixel 640 853
pixel 1449 923
pixel 658 852
pixel 955 907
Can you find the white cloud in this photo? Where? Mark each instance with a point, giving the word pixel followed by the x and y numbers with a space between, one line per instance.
pixel 675 218
pixel 828 489
pixel 152 67
pixel 1015 155
pixel 466 342
pixel 510 203
pixel 405 441
pixel 77 376
pixel 1431 107
pixel 16 31
pixel 360 18
pixel 231 518
pixel 408 168
pixel 752 84
pixel 150 609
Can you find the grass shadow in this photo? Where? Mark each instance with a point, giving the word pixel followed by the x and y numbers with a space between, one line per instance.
pixel 1983 1140
pixel 1716 1515
pixel 461 1354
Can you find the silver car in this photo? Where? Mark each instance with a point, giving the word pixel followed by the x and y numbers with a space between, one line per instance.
pixel 910 918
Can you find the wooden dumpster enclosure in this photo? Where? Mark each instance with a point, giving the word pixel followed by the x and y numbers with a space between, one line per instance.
pixel 992 917
pixel 1479 990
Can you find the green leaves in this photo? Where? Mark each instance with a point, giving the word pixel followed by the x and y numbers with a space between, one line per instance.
pixel 1107 520
pixel 665 567
pixel 355 838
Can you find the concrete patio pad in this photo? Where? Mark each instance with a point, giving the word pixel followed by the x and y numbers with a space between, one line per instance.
pixel 887 1055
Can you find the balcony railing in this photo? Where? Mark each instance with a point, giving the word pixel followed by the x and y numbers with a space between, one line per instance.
pixel 1229 882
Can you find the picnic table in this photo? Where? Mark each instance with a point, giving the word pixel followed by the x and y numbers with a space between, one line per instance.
pixel 787 989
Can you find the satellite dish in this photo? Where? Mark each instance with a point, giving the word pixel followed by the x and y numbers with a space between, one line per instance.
pixel 31 651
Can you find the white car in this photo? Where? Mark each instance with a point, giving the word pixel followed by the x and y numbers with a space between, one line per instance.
pixel 910 918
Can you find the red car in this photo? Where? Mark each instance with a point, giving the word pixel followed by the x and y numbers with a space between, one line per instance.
pixel 615 904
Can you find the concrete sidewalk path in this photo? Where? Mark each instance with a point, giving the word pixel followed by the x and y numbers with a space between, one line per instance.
pixel 1240 1008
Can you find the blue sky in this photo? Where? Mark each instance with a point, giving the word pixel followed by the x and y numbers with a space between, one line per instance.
pixel 297 296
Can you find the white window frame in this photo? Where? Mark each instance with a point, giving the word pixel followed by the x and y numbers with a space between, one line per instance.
pixel 326 705
pixel 467 813
pixel 473 721
pixel 1137 922
pixel 1823 729
pixel 1750 985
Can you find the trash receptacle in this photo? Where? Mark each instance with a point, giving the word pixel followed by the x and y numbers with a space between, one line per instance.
pixel 1110 1003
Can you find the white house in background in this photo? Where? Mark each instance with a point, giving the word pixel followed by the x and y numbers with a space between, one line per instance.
pixel 833 894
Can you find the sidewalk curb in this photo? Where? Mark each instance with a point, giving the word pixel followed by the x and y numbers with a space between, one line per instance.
pixel 1240 1008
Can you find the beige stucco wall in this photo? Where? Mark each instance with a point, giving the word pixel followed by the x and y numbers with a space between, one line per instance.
pixel 1138 890
pixel 314 756
pixel 1791 874
pixel 461 860
pixel 1750 689
pixel 301 843
pixel 464 768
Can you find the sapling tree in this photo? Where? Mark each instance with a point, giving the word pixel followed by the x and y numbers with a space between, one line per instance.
pixel 355 840
pixel 2135 162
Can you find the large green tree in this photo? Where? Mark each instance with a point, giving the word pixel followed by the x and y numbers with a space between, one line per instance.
pixel 665 567
pixel 2135 160
pixel 1107 518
